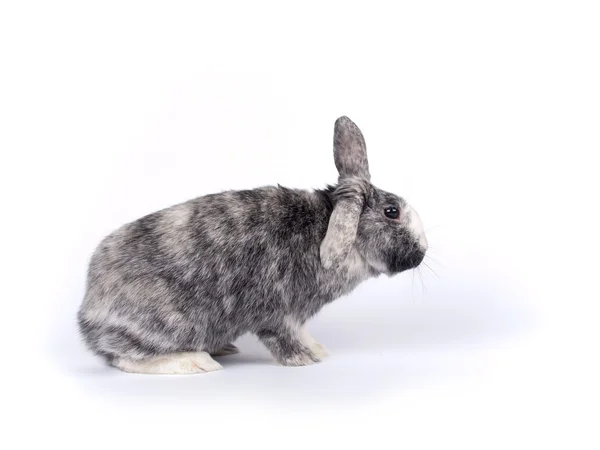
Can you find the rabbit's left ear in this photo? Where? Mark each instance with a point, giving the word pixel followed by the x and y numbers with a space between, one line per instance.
pixel 350 155
pixel 350 150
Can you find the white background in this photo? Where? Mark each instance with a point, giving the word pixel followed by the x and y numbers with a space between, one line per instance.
pixel 484 115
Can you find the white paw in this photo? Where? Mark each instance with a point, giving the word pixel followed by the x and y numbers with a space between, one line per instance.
pixel 300 359
pixel 319 351
pixel 311 343
pixel 176 363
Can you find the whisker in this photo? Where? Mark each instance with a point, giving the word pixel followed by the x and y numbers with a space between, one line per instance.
pixel 431 270
pixel 424 290
pixel 434 260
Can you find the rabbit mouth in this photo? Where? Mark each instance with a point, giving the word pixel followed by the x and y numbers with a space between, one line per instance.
pixel 416 259
pixel 401 263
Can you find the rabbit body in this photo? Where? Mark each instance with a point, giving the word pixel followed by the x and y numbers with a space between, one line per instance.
pixel 198 275
pixel 169 290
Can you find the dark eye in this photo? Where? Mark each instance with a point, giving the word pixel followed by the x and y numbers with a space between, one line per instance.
pixel 392 212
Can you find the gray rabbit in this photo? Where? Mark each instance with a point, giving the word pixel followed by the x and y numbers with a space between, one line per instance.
pixel 169 291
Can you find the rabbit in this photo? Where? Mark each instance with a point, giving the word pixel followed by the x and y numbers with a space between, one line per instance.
pixel 169 291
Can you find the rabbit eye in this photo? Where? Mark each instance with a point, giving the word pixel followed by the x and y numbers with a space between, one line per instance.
pixel 392 212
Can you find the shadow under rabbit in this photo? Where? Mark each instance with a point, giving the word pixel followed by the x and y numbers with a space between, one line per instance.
pixel 376 344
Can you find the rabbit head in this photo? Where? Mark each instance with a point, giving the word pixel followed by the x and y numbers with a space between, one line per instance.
pixel 381 226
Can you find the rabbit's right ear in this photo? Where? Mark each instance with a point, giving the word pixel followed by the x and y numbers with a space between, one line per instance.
pixel 350 150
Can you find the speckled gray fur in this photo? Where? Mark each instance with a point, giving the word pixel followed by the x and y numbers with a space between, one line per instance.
pixel 196 276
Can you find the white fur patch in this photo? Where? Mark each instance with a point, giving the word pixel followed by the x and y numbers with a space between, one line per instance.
pixel 176 363
pixel 319 351
pixel 302 333
pixel 298 360
pixel 416 227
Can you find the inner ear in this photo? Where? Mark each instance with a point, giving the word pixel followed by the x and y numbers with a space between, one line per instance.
pixel 350 150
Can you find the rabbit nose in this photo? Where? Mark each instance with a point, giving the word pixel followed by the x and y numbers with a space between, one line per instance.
pixel 423 242
pixel 416 227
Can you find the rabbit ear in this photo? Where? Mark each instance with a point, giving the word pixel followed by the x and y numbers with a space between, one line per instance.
pixel 350 150
pixel 341 233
